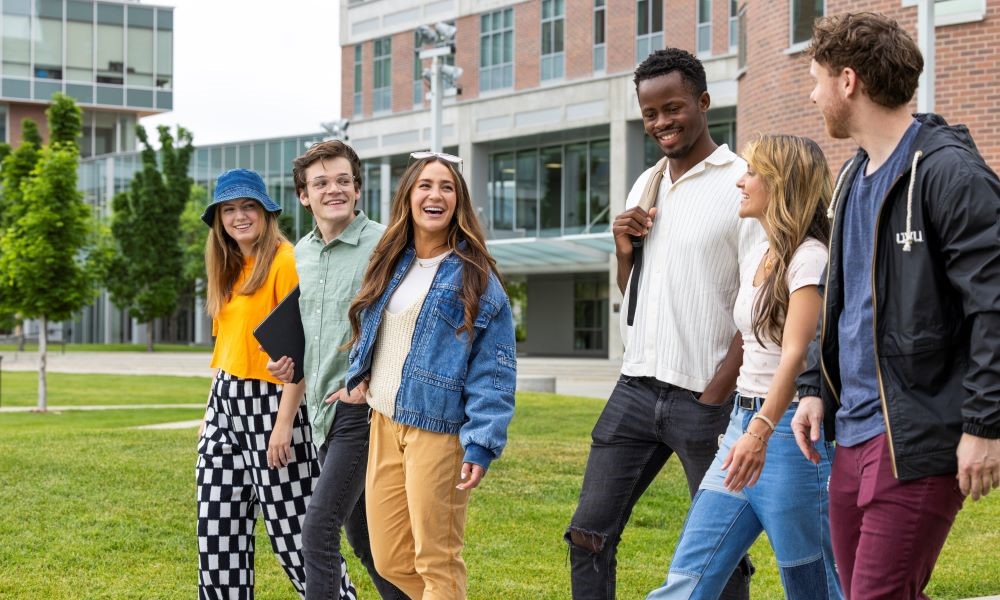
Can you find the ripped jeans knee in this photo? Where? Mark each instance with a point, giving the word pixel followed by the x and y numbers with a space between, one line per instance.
pixel 591 541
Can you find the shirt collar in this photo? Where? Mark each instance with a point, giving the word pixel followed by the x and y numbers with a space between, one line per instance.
pixel 351 235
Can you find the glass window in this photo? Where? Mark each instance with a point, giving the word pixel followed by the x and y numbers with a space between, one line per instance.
pixel 3 123
pixel 804 14
pixel 550 190
pixel 526 179
pixel 553 22
pixel 110 44
pixel 590 312
pixel 48 39
pixel 734 25
pixel 600 15
pixel 164 56
pixel 502 188
pixel 496 50
pixel 16 39
pixel 105 132
pixel 599 218
pixel 575 178
pixel 704 27
pixel 371 191
pixel 140 46
pixel 80 41
pixel 382 92
pixel 649 28
pixel 357 80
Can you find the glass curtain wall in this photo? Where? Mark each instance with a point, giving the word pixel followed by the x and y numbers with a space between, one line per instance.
pixel 551 191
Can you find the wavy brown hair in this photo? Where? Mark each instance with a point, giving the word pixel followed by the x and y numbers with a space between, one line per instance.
pixel 885 57
pixel 398 236
pixel 797 179
pixel 224 261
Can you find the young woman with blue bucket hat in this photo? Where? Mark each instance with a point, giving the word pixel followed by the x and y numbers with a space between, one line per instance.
pixel 255 450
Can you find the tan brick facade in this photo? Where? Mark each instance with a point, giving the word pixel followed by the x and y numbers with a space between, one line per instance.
pixel 402 71
pixel 527 44
pixel 467 55
pixel 774 91
pixel 579 38
pixel 347 82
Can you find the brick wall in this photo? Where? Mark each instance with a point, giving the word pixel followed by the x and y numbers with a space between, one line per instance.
pixel 680 24
pixel 579 38
pixel 467 55
pixel 621 37
pixel 402 71
pixel 18 112
pixel 527 44
pixel 774 92
pixel 347 82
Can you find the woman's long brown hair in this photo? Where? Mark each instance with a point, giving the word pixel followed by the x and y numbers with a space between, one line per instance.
pixel 797 179
pixel 464 227
pixel 224 261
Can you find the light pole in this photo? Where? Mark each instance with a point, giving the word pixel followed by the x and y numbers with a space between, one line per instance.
pixel 925 39
pixel 443 36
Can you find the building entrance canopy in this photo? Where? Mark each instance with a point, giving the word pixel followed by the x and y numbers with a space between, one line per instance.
pixel 568 253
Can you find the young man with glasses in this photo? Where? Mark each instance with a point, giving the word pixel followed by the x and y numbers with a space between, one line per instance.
pixel 331 262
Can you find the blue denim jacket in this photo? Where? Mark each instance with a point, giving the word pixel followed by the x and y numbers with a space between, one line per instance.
pixel 448 385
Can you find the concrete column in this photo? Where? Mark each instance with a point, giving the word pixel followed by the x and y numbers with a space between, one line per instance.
pixel 385 181
pixel 623 154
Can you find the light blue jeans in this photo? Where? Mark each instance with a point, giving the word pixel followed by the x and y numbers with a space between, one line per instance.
pixel 789 501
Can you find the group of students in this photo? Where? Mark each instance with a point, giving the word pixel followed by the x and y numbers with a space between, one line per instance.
pixel 760 276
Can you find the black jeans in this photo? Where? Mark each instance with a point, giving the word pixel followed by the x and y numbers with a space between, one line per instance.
pixel 643 423
pixel 338 501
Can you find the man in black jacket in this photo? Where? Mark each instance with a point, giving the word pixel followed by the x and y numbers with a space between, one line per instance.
pixel 907 357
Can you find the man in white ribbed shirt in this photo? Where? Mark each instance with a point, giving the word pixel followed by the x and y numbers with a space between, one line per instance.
pixel 682 350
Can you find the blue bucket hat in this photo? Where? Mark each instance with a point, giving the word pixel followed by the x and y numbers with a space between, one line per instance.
pixel 235 184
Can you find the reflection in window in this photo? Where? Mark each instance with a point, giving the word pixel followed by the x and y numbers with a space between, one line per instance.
pixel 16 40
pixel 140 46
pixel 496 50
pixel 110 44
pixel 551 191
pixel 80 41
pixel 590 312
pixel 553 57
pixel 47 39
pixel 804 14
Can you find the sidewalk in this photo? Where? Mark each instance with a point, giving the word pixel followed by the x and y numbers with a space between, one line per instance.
pixel 588 377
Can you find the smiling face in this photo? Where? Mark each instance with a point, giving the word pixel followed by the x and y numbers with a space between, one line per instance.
pixel 672 114
pixel 432 201
pixel 754 197
pixel 827 95
pixel 330 192
pixel 243 220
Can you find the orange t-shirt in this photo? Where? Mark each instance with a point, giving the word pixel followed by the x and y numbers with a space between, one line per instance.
pixel 236 349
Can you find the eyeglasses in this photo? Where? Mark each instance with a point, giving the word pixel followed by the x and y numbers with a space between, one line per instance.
pixel 344 182
pixel 422 154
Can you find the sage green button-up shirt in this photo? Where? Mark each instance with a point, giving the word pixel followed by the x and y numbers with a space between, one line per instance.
pixel 329 277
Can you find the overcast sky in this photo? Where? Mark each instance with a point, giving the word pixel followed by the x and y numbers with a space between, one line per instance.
pixel 246 69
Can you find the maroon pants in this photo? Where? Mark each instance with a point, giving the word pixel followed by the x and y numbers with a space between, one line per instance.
pixel 886 533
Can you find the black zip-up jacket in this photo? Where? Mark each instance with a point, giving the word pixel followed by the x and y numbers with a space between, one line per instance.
pixel 936 299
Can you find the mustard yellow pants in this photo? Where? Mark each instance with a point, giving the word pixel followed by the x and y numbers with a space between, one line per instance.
pixel 416 517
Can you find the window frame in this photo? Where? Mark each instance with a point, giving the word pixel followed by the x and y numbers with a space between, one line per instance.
pixel 487 37
pixel 552 65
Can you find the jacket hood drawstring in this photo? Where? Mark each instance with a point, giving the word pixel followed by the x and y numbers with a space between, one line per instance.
pixel 836 190
pixel 908 240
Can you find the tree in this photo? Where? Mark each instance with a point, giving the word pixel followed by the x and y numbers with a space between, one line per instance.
pixel 146 273
pixel 16 168
pixel 44 247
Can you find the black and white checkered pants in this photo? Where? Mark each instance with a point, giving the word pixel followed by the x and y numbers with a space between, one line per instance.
pixel 235 484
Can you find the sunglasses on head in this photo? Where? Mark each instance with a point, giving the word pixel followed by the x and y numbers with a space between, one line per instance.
pixel 422 154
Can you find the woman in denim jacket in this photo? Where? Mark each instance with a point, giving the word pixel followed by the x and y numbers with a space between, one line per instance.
pixel 433 349
pixel 760 481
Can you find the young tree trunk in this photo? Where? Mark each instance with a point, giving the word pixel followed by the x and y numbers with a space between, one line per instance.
pixel 21 338
pixel 43 339
pixel 149 335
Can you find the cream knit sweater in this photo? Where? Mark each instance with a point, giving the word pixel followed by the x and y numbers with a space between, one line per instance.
pixel 392 345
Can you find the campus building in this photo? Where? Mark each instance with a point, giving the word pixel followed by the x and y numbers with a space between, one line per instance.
pixel 548 125
pixel 549 129
pixel 114 58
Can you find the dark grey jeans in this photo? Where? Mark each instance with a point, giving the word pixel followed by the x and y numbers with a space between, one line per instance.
pixel 643 423
pixel 338 501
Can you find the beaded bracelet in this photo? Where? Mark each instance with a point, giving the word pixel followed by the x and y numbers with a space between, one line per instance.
pixel 762 440
pixel 767 421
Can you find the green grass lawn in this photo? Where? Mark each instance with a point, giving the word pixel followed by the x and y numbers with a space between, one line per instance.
pixel 20 388
pixel 93 508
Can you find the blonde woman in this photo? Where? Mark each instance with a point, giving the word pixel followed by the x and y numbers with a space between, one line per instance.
pixel 760 481
pixel 255 450
pixel 433 333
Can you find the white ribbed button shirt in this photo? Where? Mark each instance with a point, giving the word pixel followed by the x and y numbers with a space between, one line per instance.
pixel 691 273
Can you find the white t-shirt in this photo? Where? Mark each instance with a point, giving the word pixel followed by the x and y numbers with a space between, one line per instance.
pixel 415 283
pixel 760 363
pixel 690 275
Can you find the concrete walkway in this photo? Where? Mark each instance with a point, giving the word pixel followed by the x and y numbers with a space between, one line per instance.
pixel 589 377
